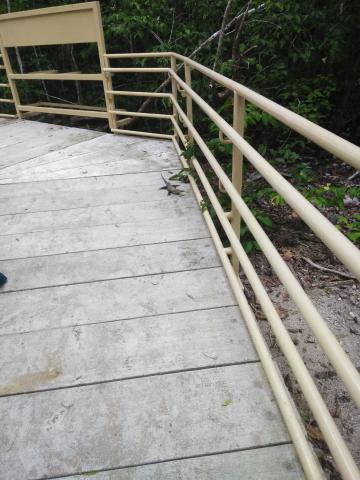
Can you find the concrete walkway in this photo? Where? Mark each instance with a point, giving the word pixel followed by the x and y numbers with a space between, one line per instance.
pixel 122 353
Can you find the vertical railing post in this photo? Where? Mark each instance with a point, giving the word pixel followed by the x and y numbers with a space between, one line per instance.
pixel 237 168
pixel 174 93
pixel 107 85
pixel 8 72
pixel 104 63
pixel 189 105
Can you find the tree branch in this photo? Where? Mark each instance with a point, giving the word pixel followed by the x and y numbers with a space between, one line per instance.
pixel 77 83
pixel 206 42
pixel 235 49
pixel 221 34
pixel 228 26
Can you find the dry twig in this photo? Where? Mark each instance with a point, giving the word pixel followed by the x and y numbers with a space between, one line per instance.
pixel 221 34
pixel 330 270
pixel 235 50
pixel 354 175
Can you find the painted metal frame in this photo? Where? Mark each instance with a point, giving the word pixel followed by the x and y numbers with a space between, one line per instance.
pixel 70 24
pixel 6 68
pixel 56 25
pixel 235 256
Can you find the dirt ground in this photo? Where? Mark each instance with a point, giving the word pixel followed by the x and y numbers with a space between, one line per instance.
pixel 338 301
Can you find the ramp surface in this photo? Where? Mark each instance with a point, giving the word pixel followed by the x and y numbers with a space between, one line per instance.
pixel 122 354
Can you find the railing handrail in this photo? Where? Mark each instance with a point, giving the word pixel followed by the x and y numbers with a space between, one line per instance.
pixel 325 230
pixel 341 148
pixel 332 143
pixel 323 334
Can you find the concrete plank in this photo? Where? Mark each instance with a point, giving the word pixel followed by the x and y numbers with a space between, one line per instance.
pixel 102 154
pixel 7 121
pixel 35 135
pixel 121 344
pixel 87 354
pixel 180 207
pixel 78 185
pixel 83 192
pixel 272 463
pixel 81 267
pixel 27 129
pixel 29 132
pixel 99 142
pixel 83 162
pixel 113 300
pixel 36 140
pixel 50 242
pixel 104 149
pixel 137 421
pixel 153 163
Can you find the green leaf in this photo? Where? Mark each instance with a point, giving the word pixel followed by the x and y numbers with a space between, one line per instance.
pixel 354 236
pixel 265 220
pixel 249 245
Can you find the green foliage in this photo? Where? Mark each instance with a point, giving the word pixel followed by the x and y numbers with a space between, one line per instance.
pixel 329 195
pixel 247 240
pixel 257 118
pixel 350 226
pixel 191 151
pixel 303 55
pixel 182 175
pixel 204 205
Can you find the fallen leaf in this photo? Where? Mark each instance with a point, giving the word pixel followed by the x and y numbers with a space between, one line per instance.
pixel 315 433
pixel 336 412
pixel 287 254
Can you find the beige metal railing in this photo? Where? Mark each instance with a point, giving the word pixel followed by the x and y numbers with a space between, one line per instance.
pixel 69 24
pixel 82 23
pixel 230 222
pixel 5 86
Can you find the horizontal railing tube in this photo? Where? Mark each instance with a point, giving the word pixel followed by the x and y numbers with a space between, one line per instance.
pixel 138 55
pixel 142 134
pixel 330 236
pixel 308 461
pixel 128 93
pixel 137 69
pixel 7 115
pixel 56 76
pixel 338 358
pixel 63 111
pixel 141 114
pixel 325 230
pixel 330 142
pixel 326 423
